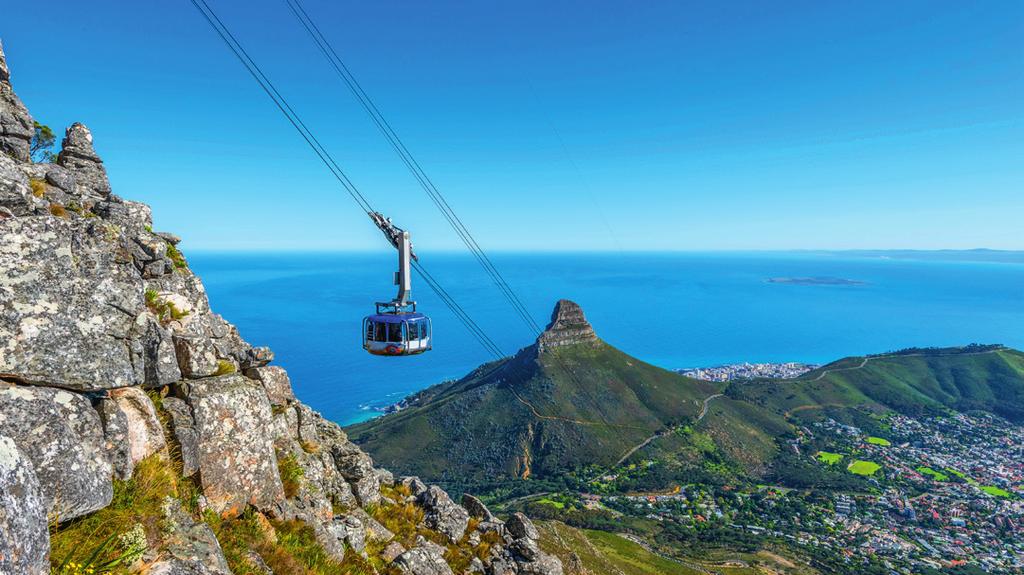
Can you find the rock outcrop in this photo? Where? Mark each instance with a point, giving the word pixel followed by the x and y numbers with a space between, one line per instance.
pixel 24 543
pixel 61 434
pixel 112 364
pixel 16 126
pixel 568 327
pixel 235 456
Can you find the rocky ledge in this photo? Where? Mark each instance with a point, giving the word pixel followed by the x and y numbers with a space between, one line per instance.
pixel 111 360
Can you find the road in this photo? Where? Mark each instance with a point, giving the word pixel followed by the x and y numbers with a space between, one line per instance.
pixel 863 362
pixel 666 431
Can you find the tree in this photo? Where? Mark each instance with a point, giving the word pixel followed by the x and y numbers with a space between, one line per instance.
pixel 42 143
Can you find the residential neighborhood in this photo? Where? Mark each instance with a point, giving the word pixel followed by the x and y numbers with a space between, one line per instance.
pixel 933 493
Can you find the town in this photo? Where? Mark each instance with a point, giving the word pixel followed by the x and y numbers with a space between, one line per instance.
pixel 788 370
pixel 912 494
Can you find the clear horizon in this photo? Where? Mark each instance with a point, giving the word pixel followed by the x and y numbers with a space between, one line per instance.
pixel 662 127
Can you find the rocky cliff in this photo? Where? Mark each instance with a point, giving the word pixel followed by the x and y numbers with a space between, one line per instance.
pixel 140 433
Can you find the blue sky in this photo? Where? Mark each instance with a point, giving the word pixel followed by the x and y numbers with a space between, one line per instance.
pixel 554 125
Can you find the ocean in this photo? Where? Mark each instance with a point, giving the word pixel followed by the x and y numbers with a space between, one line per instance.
pixel 674 310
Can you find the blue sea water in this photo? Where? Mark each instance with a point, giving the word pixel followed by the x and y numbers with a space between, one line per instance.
pixel 673 310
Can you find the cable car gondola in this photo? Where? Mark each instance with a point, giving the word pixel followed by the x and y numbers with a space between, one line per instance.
pixel 397 328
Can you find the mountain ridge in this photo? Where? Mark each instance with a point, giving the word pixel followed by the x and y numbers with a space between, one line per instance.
pixel 533 427
pixel 563 405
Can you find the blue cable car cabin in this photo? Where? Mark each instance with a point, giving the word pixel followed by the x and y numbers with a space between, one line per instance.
pixel 396 333
pixel 397 328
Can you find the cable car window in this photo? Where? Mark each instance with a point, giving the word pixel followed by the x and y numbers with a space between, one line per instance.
pixel 423 329
pixel 395 332
pixel 381 333
pixel 369 331
pixel 414 331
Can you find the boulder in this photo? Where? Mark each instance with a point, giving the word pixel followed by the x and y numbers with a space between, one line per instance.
pixel 58 177
pixel 423 560
pixel 392 551
pixel 190 547
pixel 68 307
pixel 306 426
pixel 476 508
pixel 170 238
pixel 158 354
pixel 131 428
pixel 16 197
pixel 414 484
pixel 526 549
pixel 442 514
pixel 16 125
pixel 544 564
pixel 132 217
pixel 385 477
pixel 374 530
pixel 185 434
pixel 357 468
pixel 197 356
pixel 79 157
pixel 519 526
pixel 62 436
pixel 350 530
pixel 276 383
pixel 24 539
pixel 501 564
pixel 237 464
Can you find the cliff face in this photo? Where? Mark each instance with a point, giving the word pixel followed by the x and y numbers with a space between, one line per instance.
pixel 568 327
pixel 112 364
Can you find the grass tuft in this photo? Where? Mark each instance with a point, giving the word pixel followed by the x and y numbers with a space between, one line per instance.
pixel 165 310
pixel 224 367
pixel 38 187
pixel 176 257
pixel 112 534
pixel 287 547
pixel 58 210
pixel 291 474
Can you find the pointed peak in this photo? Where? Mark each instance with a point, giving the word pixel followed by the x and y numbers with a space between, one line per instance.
pixel 78 142
pixel 568 326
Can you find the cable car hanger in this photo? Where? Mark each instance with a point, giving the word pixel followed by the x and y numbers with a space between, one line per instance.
pixel 232 43
pixel 397 328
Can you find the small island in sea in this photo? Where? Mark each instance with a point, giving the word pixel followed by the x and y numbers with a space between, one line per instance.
pixel 817 281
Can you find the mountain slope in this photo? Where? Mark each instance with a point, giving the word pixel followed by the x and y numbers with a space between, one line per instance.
pixel 571 401
pixel 989 378
pixel 567 401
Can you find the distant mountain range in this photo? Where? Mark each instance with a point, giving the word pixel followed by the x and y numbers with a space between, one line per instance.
pixel 571 402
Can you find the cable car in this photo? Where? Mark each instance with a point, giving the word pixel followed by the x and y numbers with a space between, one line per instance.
pixel 396 334
pixel 396 328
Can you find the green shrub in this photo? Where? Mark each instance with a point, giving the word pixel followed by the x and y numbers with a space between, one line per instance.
pixel 165 311
pixel 176 257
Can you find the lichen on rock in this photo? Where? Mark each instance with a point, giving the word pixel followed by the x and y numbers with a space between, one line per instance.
pixel 24 544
